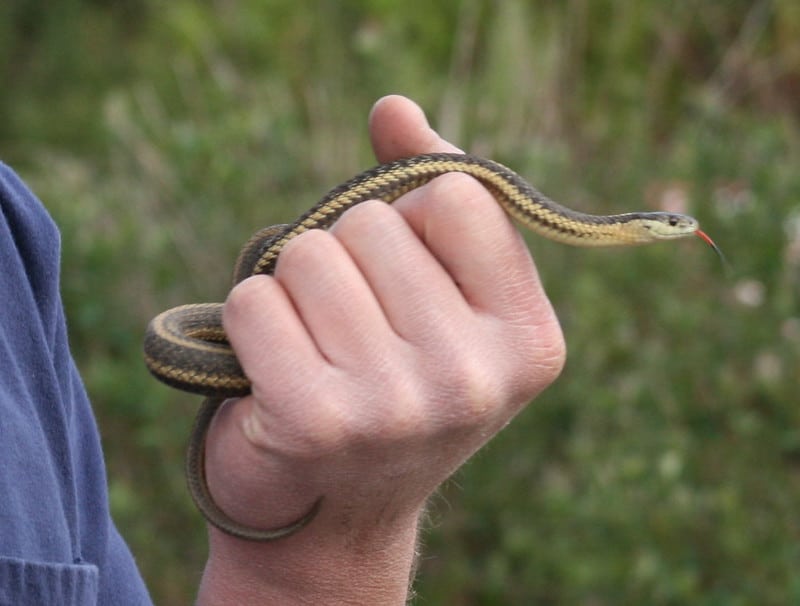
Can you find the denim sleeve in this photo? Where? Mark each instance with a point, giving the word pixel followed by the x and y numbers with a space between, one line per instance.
pixel 58 544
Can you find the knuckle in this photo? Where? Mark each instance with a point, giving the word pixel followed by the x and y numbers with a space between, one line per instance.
pixel 366 213
pixel 389 414
pixel 404 415
pixel 540 359
pixel 554 358
pixel 456 184
pixel 246 297
pixel 473 382
pixel 367 218
pixel 463 191
pixel 304 250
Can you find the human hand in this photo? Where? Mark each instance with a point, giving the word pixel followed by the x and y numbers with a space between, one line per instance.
pixel 382 354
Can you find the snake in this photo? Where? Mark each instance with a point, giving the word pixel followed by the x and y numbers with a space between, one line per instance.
pixel 186 346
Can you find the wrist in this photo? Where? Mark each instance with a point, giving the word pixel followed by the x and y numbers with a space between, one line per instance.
pixel 322 564
pixel 346 554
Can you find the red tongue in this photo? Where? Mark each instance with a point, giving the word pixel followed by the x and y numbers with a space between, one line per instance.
pixel 705 237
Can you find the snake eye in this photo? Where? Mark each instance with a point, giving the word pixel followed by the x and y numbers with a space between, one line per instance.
pixel 673 221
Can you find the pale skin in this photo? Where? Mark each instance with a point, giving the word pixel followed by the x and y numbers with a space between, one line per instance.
pixel 382 354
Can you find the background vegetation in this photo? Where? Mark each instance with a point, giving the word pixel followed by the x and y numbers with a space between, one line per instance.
pixel 664 467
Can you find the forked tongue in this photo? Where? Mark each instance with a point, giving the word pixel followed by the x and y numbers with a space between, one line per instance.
pixel 707 239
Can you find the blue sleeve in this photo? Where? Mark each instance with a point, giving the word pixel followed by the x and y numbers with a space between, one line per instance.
pixel 58 544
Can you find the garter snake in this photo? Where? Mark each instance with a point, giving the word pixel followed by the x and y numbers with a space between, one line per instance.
pixel 186 347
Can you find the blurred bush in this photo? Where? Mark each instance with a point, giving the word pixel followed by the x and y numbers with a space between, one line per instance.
pixel 664 466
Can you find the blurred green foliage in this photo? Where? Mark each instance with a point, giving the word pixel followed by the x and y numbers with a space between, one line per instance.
pixel 664 466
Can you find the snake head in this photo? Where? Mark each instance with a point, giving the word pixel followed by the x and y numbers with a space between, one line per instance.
pixel 668 226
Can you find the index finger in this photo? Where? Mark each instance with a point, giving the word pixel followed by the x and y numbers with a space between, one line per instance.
pixel 472 237
pixel 458 219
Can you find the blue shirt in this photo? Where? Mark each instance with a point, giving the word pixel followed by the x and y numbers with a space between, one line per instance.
pixel 58 544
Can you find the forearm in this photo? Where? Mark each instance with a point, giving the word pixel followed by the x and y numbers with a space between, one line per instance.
pixel 306 569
